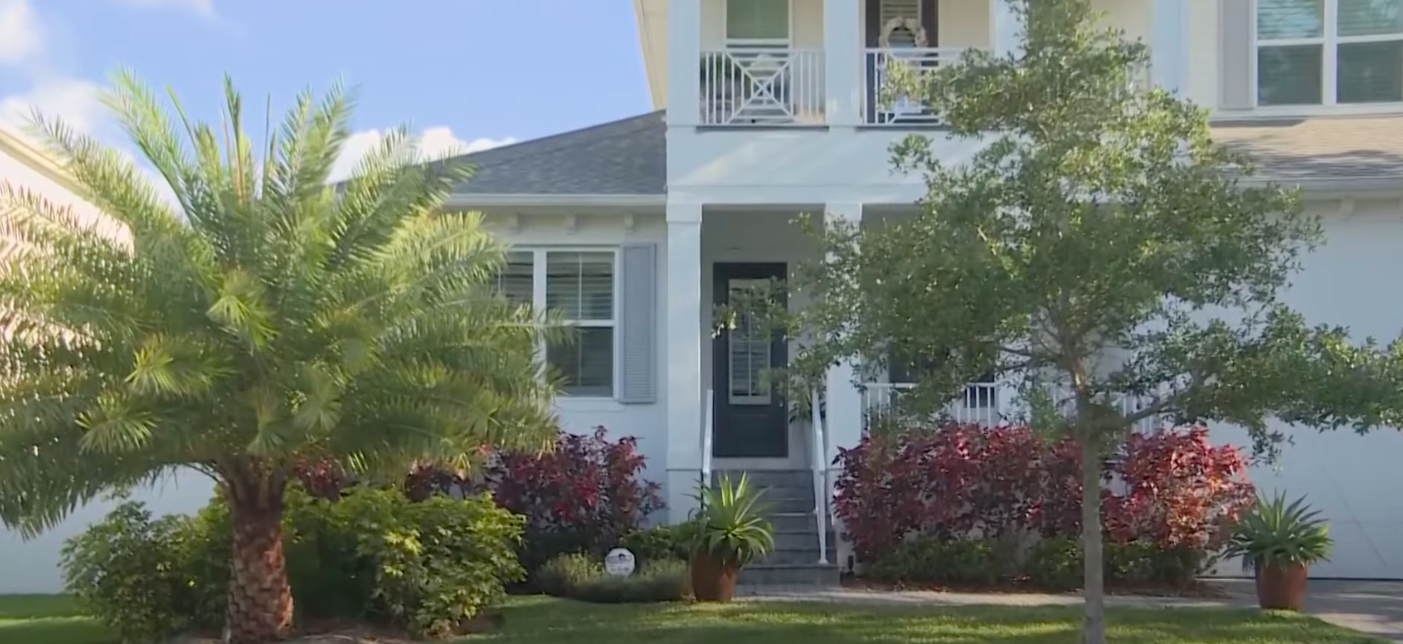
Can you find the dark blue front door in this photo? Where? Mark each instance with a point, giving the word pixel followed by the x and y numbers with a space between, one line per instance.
pixel 751 418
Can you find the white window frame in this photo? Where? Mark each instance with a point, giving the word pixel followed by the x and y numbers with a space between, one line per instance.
pixel 1329 41
pixel 539 255
pixel 787 42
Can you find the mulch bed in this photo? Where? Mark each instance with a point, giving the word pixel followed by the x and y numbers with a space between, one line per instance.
pixel 1196 590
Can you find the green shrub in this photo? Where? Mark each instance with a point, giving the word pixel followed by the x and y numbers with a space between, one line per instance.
pixel 658 543
pixel 372 555
pixel 581 577
pixel 1055 563
pixel 559 576
pixel 664 580
pixel 140 576
pixel 941 561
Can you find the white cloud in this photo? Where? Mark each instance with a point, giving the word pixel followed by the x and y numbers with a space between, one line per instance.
pixel 202 7
pixel 21 37
pixel 434 143
pixel 75 100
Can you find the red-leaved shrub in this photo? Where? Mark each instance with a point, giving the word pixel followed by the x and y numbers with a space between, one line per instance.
pixel 583 496
pixel 1171 488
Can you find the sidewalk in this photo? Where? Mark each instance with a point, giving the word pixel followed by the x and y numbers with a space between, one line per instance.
pixel 1374 607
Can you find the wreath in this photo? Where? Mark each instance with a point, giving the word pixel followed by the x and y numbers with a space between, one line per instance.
pixel 911 25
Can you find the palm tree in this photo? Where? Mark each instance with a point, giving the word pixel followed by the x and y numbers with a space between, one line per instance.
pixel 269 318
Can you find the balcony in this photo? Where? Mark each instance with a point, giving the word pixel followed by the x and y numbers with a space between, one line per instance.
pixel 762 85
pixel 881 107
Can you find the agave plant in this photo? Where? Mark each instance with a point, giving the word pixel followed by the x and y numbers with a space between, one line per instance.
pixel 730 525
pixel 1275 533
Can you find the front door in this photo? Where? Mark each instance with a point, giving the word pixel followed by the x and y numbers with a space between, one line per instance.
pixel 751 419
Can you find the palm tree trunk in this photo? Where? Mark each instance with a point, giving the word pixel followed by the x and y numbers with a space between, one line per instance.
pixel 260 599
pixel 1093 591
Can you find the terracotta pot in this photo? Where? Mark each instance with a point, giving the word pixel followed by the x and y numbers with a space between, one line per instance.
pixel 1282 587
pixel 713 580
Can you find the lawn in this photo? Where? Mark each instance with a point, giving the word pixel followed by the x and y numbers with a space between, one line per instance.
pixel 51 620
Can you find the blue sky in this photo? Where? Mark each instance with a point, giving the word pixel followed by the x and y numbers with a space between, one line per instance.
pixel 478 72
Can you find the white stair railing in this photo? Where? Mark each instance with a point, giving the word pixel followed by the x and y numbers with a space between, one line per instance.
pixel 707 431
pixel 820 466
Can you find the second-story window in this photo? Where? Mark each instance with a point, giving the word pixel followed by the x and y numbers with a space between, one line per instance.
pixel 1328 52
pixel 757 20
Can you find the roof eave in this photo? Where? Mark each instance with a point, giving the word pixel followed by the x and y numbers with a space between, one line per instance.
pixel 484 200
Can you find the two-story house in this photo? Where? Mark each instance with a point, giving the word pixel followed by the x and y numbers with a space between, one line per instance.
pixel 768 108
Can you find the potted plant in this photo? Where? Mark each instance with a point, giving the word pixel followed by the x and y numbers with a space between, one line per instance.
pixel 1279 541
pixel 727 532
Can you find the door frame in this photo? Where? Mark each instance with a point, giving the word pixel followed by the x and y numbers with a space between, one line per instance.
pixel 722 273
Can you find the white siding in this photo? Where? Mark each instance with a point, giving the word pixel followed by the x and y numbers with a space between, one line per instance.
pixel 32 566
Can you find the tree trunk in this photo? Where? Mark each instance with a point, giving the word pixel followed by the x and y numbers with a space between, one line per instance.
pixel 260 599
pixel 1092 562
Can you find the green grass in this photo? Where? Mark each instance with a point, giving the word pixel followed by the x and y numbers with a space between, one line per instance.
pixel 47 619
pixel 54 620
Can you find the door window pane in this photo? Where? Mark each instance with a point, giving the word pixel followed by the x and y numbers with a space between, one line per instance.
pixel 1370 72
pixel 587 364
pixel 748 352
pixel 1370 17
pixel 757 19
pixel 1289 75
pixel 1279 19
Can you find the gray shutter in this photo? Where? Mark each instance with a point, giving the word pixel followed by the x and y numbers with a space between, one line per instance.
pixel 638 328
pixel 1235 47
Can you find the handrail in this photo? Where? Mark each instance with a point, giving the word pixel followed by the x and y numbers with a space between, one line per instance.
pixel 707 431
pixel 820 465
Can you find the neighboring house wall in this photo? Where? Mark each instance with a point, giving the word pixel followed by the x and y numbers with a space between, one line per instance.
pixel 31 566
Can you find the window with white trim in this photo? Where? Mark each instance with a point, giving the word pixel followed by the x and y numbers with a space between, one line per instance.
pixel 757 20
pixel 580 286
pixel 1329 52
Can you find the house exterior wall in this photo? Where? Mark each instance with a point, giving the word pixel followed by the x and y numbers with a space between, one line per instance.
pixel 31 566
pixel 1352 479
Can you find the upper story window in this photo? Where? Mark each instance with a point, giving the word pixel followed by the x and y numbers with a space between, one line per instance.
pixel 757 20
pixel 1329 52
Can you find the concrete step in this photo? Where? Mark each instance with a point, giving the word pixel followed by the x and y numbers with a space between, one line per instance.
pixel 771 478
pixel 760 575
pixel 801 539
pixel 775 506
pixel 797 556
pixel 798 521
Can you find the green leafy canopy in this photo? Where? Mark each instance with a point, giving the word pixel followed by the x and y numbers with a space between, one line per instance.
pixel 265 318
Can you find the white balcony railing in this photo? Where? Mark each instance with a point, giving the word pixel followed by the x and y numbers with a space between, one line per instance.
pixel 980 403
pixel 881 107
pixel 762 86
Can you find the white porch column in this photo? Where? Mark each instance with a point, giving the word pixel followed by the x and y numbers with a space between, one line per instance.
pixel 1168 48
pixel 683 62
pixel 1007 27
pixel 683 338
pixel 843 61
pixel 844 426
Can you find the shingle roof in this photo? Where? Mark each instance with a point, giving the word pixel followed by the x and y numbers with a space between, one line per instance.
pixel 629 156
pixel 1321 147
pixel 625 157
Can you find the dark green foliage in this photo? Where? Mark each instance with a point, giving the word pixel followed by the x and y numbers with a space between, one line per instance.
pixel 1275 533
pixel 559 575
pixel 578 576
pixel 941 561
pixel 664 580
pixel 656 543
pixel 373 555
pixel 145 578
pixel 1054 563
